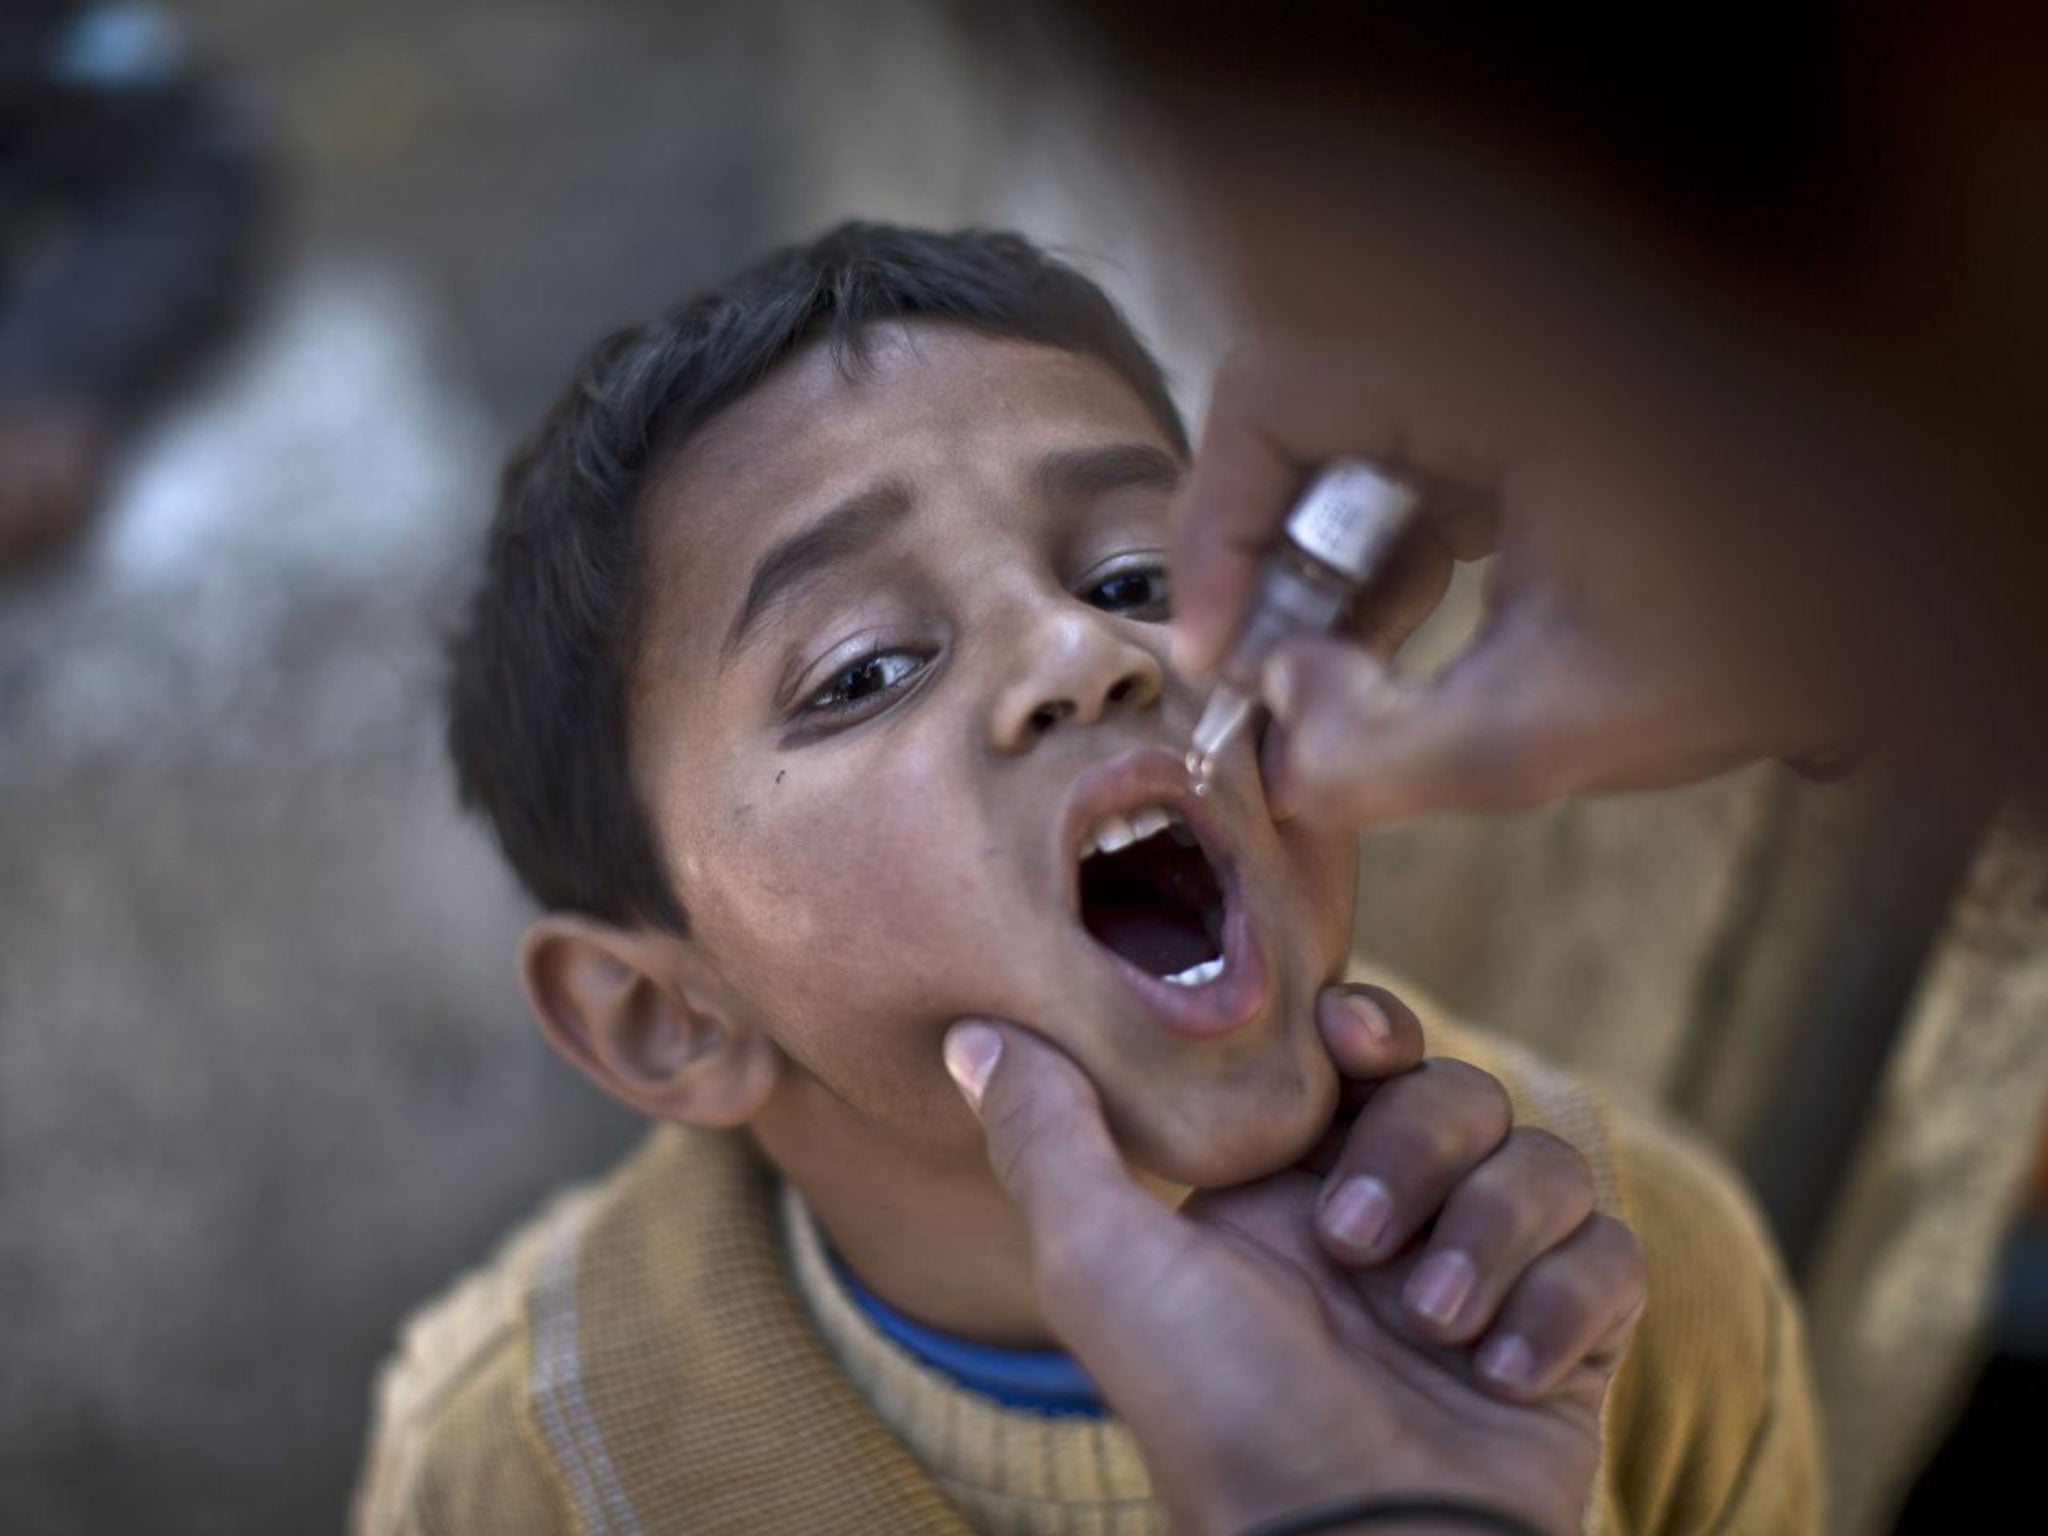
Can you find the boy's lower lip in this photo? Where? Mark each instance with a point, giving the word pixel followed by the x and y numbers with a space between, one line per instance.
pixel 1215 1008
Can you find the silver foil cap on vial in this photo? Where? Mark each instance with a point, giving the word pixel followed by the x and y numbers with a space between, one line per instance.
pixel 1348 515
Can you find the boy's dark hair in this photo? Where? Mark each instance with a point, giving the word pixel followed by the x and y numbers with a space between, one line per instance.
pixel 538 722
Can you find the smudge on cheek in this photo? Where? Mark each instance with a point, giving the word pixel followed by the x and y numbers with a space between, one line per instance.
pixel 855 888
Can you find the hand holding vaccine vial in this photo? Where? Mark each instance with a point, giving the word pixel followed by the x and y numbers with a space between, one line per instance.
pixel 1336 538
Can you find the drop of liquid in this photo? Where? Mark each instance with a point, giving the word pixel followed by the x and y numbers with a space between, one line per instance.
pixel 1200 765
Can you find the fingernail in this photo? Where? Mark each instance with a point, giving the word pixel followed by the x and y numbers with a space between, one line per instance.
pixel 1507 1360
pixel 971 1051
pixel 1357 1213
pixel 1440 1286
pixel 1371 1017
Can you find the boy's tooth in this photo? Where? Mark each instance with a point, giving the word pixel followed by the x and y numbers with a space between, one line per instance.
pixel 1112 833
pixel 1116 832
pixel 1199 974
pixel 1148 821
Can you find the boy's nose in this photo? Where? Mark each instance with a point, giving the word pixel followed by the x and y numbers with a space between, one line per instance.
pixel 1073 666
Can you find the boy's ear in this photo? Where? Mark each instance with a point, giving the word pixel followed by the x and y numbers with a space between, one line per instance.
pixel 644 1016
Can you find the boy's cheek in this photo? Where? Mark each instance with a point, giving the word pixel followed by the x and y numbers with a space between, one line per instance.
pixel 1324 876
pixel 1326 861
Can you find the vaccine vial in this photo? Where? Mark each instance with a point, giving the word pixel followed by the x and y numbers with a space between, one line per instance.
pixel 1336 538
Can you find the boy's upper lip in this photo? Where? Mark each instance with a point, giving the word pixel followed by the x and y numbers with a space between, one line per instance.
pixel 1139 777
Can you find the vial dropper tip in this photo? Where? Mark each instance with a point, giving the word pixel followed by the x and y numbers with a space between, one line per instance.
pixel 1221 717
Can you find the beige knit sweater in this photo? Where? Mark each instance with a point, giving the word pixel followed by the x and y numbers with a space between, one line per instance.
pixel 1010 1471
pixel 655 1354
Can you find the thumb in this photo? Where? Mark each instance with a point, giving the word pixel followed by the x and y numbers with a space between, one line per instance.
pixel 1354 745
pixel 1099 1243
pixel 1046 1138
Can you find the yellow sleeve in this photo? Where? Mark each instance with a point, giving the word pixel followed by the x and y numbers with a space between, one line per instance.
pixel 476 1471
pixel 1711 1425
pixel 453 1447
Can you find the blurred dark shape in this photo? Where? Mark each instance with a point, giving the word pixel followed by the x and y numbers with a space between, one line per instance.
pixel 131 200
pixel 1790 262
pixel 1846 200
pixel 1991 1459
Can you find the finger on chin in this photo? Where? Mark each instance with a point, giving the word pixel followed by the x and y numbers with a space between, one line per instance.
pixel 1369 1032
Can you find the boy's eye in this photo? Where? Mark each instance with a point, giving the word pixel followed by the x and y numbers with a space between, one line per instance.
pixel 1138 592
pixel 874 675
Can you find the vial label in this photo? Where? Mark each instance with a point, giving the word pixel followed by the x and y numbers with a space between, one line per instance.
pixel 1347 516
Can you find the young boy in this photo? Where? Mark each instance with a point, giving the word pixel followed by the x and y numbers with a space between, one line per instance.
pixel 816 688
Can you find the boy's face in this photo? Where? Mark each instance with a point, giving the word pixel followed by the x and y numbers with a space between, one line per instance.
pixel 906 657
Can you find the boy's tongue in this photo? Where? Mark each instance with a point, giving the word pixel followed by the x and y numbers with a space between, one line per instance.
pixel 1152 941
pixel 1156 904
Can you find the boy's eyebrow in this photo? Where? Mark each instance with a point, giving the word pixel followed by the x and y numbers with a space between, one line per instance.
pixel 848 528
pixel 1081 474
pixel 1071 474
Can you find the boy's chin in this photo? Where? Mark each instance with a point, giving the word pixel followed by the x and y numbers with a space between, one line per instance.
pixel 1219 1139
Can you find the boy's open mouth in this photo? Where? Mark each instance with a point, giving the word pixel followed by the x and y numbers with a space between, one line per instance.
pixel 1150 895
pixel 1158 892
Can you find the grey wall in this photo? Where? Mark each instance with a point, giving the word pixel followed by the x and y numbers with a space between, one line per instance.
pixel 265 1080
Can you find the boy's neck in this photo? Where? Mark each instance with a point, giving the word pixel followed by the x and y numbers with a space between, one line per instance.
pixel 946 1249
pixel 943 1247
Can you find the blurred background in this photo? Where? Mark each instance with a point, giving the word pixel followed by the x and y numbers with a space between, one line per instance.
pixel 283 281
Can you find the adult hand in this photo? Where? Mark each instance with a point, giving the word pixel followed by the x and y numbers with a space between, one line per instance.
pixel 1291 1343
pixel 53 462
pixel 1651 620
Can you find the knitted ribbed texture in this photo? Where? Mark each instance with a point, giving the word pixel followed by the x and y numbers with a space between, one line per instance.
pixel 643 1362
pixel 711 1391
pixel 459 1378
pixel 1011 1471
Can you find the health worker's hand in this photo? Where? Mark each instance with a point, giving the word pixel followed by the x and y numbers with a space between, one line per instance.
pixel 1427 1306
pixel 1652 619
